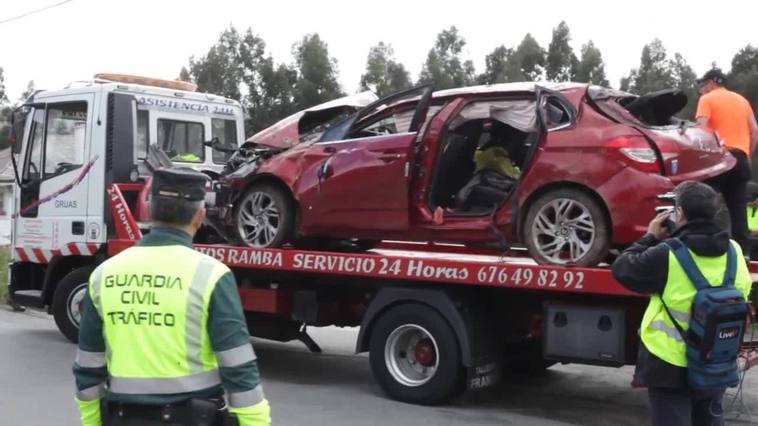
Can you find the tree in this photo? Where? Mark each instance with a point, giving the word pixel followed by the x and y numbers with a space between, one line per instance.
pixel 3 96
pixel 500 67
pixel 28 92
pixel 530 57
pixel 274 98
pixel 444 65
pixel 317 72
pixel 685 80
pixel 184 75
pixel 654 72
pixel 591 67
pixel 233 60
pixel 383 74
pixel 562 63
pixel 658 72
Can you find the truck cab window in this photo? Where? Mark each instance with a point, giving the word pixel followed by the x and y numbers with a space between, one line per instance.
pixel 226 132
pixel 143 134
pixel 182 140
pixel 33 167
pixel 65 137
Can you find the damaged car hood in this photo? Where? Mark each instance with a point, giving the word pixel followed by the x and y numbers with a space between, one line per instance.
pixel 310 123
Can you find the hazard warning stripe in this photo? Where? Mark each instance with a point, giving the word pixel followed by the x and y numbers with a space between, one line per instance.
pixel 41 255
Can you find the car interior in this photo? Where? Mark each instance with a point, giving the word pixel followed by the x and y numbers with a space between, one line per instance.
pixel 469 180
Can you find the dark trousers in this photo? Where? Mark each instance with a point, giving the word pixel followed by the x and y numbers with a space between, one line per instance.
pixel 684 407
pixel 733 186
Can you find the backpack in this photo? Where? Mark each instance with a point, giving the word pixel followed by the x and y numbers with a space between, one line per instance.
pixel 716 326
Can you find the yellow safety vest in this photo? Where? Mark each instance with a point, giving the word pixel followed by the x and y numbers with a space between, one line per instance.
pixel 496 158
pixel 752 219
pixel 658 333
pixel 153 301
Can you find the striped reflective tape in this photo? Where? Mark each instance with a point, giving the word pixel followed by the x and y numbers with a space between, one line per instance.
pixel 246 398
pixel 193 333
pixel 92 393
pixel 164 385
pixel 236 356
pixel 670 331
pixel 88 359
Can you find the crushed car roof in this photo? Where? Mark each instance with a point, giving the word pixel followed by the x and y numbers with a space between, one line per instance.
pixel 525 86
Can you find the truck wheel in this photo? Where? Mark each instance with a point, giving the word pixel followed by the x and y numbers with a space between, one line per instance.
pixel 265 217
pixel 567 226
pixel 68 302
pixel 415 356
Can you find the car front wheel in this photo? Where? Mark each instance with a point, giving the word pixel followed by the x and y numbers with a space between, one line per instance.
pixel 567 226
pixel 265 217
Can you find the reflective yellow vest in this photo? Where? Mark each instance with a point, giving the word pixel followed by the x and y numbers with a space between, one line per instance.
pixel 658 333
pixel 752 219
pixel 154 305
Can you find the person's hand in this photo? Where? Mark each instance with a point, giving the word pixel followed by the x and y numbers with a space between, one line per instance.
pixel 657 227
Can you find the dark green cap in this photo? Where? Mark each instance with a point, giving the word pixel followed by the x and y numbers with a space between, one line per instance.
pixel 179 182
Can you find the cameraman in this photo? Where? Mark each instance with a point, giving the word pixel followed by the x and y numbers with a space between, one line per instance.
pixel 649 267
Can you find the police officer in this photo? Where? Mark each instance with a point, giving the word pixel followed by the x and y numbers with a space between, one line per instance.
pixel 649 267
pixel 162 332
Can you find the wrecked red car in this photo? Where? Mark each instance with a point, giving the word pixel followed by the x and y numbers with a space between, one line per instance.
pixel 568 170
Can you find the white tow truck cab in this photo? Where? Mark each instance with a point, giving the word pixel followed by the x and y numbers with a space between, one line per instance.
pixel 70 144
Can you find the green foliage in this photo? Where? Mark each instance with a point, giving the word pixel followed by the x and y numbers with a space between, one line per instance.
pixel 4 259
pixel 383 74
pixel 743 77
pixel 658 72
pixel 561 63
pixel 317 72
pixel 444 64
pixel 530 59
pixel 591 67
pixel 3 96
pixel 500 67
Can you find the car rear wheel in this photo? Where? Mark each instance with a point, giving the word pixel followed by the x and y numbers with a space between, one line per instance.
pixel 265 217
pixel 567 226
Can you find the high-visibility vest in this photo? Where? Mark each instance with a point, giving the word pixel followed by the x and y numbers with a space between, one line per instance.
pixel 752 219
pixel 153 302
pixel 658 333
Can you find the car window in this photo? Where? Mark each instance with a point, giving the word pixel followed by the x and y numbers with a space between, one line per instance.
pixel 64 137
pixel 226 132
pixel 34 163
pixel 397 122
pixel 556 114
pixel 182 140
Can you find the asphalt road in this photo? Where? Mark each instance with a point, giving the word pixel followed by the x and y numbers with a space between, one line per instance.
pixel 333 388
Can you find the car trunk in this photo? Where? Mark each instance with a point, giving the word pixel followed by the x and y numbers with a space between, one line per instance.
pixel 685 150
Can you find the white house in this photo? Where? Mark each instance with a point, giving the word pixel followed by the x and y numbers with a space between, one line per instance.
pixel 6 196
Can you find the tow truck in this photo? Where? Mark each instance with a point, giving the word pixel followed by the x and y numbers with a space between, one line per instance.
pixel 436 319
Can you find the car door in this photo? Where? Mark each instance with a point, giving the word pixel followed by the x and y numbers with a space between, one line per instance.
pixel 361 180
pixel 52 200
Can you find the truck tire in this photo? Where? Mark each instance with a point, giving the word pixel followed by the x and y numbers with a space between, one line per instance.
pixel 67 302
pixel 415 356
pixel 567 226
pixel 265 216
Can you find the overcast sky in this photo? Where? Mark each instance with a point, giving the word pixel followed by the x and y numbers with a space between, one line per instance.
pixel 156 37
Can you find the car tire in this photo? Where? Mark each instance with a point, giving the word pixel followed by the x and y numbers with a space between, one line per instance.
pixel 266 204
pixel 397 372
pixel 567 226
pixel 67 302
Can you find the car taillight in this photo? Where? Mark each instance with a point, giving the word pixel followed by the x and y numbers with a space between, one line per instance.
pixel 636 152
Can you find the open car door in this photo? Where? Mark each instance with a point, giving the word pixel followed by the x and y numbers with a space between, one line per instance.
pixel 356 176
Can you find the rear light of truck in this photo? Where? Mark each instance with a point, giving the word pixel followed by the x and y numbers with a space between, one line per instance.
pixel 634 151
